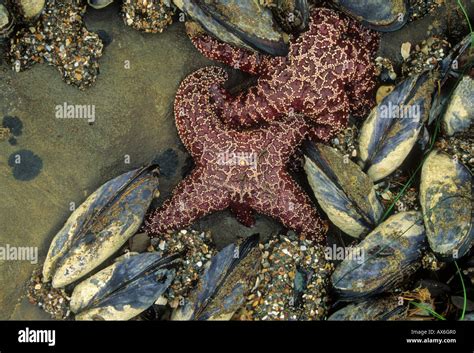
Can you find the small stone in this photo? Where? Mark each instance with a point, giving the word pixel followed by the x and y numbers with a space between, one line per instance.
pixel 161 301
pixel 162 245
pixel 139 242
pixel 405 50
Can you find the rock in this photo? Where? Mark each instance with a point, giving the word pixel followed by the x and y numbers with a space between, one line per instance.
pixel 405 50
pixel 139 242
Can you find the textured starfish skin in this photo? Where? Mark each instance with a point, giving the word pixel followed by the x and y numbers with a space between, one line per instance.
pixel 327 75
pixel 257 180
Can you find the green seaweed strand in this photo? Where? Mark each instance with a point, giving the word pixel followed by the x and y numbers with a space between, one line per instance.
pixel 467 20
pixel 464 291
pixel 429 310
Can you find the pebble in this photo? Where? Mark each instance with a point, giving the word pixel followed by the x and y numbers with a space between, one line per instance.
pixel 405 50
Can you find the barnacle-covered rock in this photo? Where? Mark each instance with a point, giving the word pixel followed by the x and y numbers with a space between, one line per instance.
pixel 446 202
pixel 381 15
pixel 245 24
pixel 150 16
pixel 59 38
pixel 343 191
pixel 390 254
pixel 460 110
pixel 223 286
pixel 100 226
pixel 124 289
pixel 392 128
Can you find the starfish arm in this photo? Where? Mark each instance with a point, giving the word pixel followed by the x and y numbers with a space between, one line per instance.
pixel 193 198
pixel 361 89
pixel 288 204
pixel 331 120
pixel 238 58
pixel 194 113
pixel 361 85
pixel 284 136
pixel 248 109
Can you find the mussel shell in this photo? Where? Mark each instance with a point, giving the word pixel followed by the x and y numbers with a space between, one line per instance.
pixel 244 24
pixel 100 225
pixel 392 128
pixel 456 63
pixel 28 10
pixel 446 201
pixel 391 253
pixel 99 4
pixel 457 59
pixel 124 289
pixel 343 191
pixel 223 286
pixel 6 22
pixel 292 15
pixel 460 110
pixel 376 309
pixel 381 15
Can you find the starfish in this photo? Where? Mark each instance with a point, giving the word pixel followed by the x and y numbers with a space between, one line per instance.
pixel 241 170
pixel 327 75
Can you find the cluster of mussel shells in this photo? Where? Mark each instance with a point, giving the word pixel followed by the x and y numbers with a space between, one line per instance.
pixel 265 27
pixel 18 12
pixel 393 247
pixel 133 282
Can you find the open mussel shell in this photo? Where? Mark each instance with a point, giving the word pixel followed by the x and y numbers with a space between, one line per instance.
pixel 223 286
pixel 99 4
pixel 390 254
pixel 375 309
pixel 381 15
pixel 342 189
pixel 6 22
pixel 459 113
pixel 392 128
pixel 100 225
pixel 124 289
pixel 244 24
pixel 446 202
